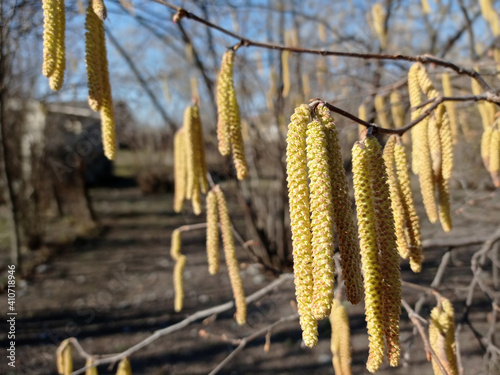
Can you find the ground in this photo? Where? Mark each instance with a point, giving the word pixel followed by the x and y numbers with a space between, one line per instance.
pixel 112 291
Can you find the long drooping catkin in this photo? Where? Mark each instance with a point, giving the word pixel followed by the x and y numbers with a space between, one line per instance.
pixel 93 58
pixel 285 63
pixel 224 107
pixel 381 109
pixel 180 263
pixel 200 150
pixel 180 169
pixel 450 107
pixel 343 215
pixel 57 77
pixel 212 234
pixel 300 224
pixel 322 219
pixel 411 217
pixel 372 274
pixel 434 145
pixel 415 101
pixel 425 172
pixel 340 343
pixel 442 337
pixel 388 254
pixel 51 27
pixel 397 111
pixel 192 166
pixel 231 260
pixel 379 16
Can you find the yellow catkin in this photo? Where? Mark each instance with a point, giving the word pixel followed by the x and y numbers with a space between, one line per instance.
pixel 484 109
pixel 434 145
pixel 426 8
pixel 231 260
pixel 415 101
pixel 56 78
pixel 180 169
pixel 124 367
pixel 340 343
pixel 397 110
pixel 200 150
pixel 372 274
pixel 490 15
pixel 363 115
pixel 379 16
pixel 495 157
pixel 485 146
pixel 343 215
pixel 191 164
pixel 180 263
pixel 446 141
pixel 50 34
pixel 93 58
pixel 224 106
pixel 91 370
pixel 412 220
pixel 450 107
pixel 425 175
pixel 300 224
pixel 285 62
pixel 382 117
pixel 99 9
pixel 212 234
pixel 237 145
pixel 396 198
pixel 442 338
pixel 322 219
pixel 388 256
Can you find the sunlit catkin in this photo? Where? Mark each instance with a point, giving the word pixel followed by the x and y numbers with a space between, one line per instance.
pixel 124 367
pixel 180 169
pixel 442 338
pixel 64 358
pixel 412 220
pixel 388 253
pixel 200 150
pixel 379 16
pixel 224 81
pixel 397 198
pixel 322 219
pixel 93 58
pixel 495 156
pixel 298 197
pixel 285 63
pixel 425 173
pixel 450 107
pixel 212 234
pixel 180 263
pixel 381 109
pixel 237 145
pixel 372 274
pixel 415 101
pixel 340 343
pixel 343 215
pixel 54 59
pixel 91 370
pixel 230 255
pixel 192 166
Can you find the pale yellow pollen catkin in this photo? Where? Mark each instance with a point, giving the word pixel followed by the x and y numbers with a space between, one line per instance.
pixel 450 107
pixel 343 214
pixel 224 105
pixel 388 253
pixel 200 150
pixel 300 224
pixel 380 107
pixel 397 110
pixel 230 255
pixel 340 343
pixel 442 338
pixel 180 263
pixel 425 175
pixel 379 16
pixel 372 274
pixel 322 219
pixel 93 58
pixel 180 169
pixel 56 78
pixel 212 234
pixel 415 101
pixel 192 166
pixel 51 29
pixel 285 63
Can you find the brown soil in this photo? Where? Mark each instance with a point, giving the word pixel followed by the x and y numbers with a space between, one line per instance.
pixel 113 291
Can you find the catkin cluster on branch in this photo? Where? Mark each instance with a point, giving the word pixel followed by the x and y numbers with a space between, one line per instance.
pixel 100 97
pixel 319 202
pixel 229 121
pixel 379 254
pixel 233 267
pixel 340 343
pixel 54 55
pixel 432 148
pixel 190 171
pixel 442 338
pixel 405 216
pixel 64 359
pixel 490 139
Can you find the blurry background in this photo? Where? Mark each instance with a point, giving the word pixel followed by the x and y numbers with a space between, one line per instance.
pixel 73 220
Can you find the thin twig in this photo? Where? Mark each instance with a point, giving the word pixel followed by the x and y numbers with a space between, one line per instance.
pixel 184 323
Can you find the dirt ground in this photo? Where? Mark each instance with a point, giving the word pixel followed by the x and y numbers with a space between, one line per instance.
pixel 113 291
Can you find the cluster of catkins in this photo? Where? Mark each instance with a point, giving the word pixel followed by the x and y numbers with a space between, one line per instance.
pixel 432 147
pixel 490 139
pixel 64 360
pixel 319 202
pixel 217 216
pixel 190 171
pixel 54 61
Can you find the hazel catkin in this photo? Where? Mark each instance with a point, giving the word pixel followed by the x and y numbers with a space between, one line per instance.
pixel 300 224
pixel 340 343
pixel 212 234
pixel 180 169
pixel 124 367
